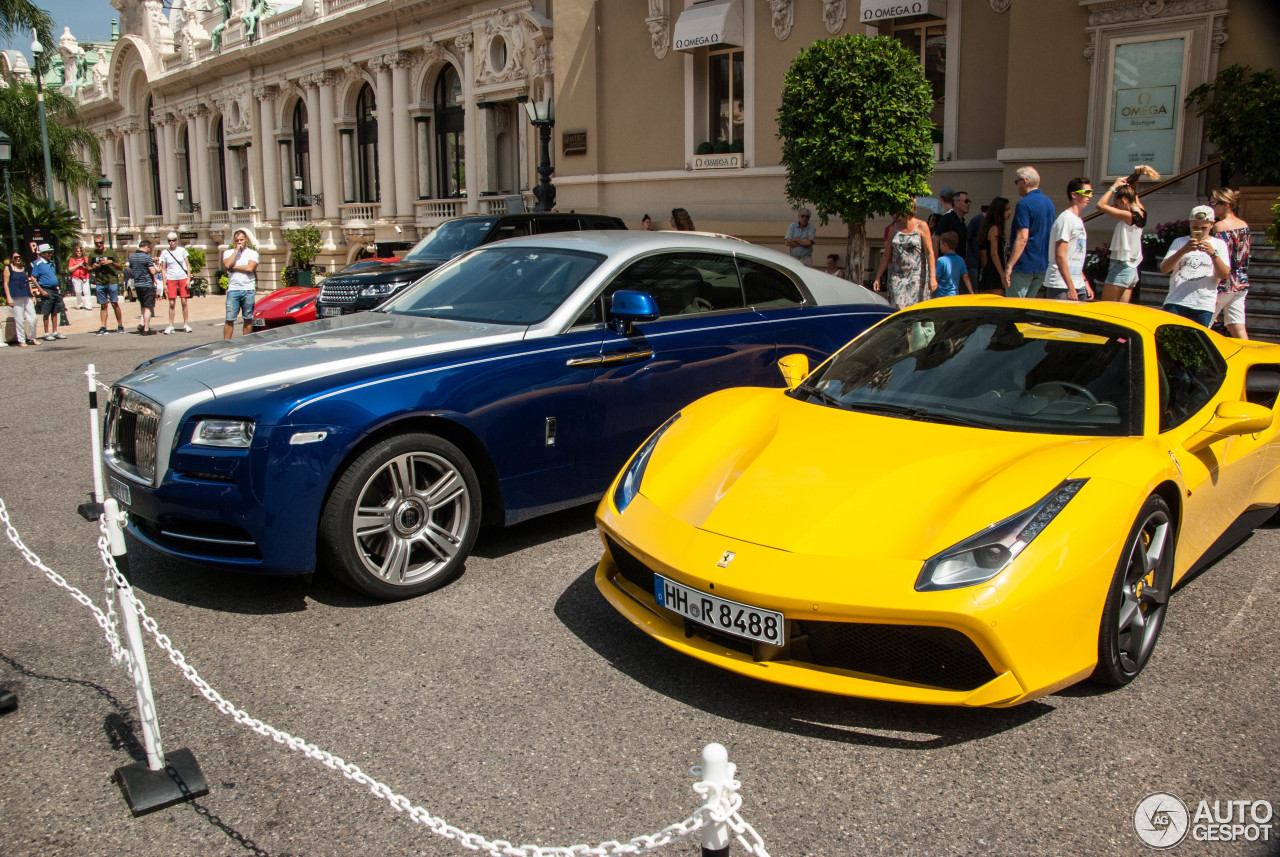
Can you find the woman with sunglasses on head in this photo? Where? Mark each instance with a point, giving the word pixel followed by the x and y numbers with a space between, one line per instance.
pixel 1234 232
pixel 17 294
pixel 1121 202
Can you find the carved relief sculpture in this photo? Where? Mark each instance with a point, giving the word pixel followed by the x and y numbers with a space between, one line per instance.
pixel 659 22
pixel 834 13
pixel 784 17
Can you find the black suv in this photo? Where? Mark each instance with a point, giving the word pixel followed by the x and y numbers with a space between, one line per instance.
pixel 365 287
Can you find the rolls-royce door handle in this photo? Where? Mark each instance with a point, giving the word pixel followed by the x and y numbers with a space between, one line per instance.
pixel 613 358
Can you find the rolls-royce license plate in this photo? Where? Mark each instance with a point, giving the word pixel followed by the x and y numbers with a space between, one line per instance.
pixel 120 490
pixel 729 617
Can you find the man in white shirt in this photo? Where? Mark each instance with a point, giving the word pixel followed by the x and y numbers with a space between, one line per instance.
pixel 241 264
pixel 177 280
pixel 1068 244
pixel 1195 264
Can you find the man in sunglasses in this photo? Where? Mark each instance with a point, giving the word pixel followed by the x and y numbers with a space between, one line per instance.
pixel 1067 247
pixel 800 238
pixel 105 268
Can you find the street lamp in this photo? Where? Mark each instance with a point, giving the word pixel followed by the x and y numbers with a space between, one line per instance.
pixel 300 198
pixel 182 204
pixel 36 50
pixel 6 152
pixel 104 191
pixel 543 115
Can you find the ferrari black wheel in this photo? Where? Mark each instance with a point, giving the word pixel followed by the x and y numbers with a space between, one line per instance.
pixel 1138 597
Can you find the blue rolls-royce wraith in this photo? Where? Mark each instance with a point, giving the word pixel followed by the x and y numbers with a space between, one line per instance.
pixel 512 382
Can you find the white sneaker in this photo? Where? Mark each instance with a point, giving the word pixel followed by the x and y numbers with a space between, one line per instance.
pixel 186 328
pixel 168 330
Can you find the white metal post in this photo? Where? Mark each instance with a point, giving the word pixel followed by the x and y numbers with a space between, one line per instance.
pixel 95 438
pixel 133 636
pixel 716 775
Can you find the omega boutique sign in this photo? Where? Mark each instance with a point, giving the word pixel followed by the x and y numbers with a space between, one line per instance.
pixel 883 10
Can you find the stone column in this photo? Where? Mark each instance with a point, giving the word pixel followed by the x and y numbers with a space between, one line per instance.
pixel 269 152
pixel 423 129
pixel 199 154
pixel 402 134
pixel 168 153
pixel 470 159
pixel 386 148
pixel 330 170
pixel 316 141
pixel 136 174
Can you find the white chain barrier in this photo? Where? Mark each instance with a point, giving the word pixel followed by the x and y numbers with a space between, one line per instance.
pixel 718 789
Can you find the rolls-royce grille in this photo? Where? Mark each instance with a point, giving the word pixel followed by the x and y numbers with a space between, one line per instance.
pixel 337 291
pixel 938 657
pixel 130 432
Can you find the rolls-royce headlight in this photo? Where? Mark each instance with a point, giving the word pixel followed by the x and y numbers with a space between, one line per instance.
pixel 982 556
pixel 633 474
pixel 233 433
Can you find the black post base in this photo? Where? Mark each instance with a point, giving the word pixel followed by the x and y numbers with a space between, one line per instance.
pixel 715 852
pixel 146 790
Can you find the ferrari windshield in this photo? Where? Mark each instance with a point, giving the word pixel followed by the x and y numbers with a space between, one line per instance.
pixel 451 238
pixel 1007 369
pixel 498 285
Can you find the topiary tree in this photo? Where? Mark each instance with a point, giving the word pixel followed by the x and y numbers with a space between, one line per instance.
pixel 856 133
pixel 304 245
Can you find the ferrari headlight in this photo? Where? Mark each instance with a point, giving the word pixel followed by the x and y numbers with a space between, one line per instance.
pixel 633 475
pixel 981 557
pixel 291 310
pixel 233 433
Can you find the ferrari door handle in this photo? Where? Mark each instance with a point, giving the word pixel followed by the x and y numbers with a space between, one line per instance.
pixel 612 358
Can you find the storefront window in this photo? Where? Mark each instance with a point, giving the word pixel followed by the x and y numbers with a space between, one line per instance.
pixel 726 99
pixel 928 41
pixel 1147 89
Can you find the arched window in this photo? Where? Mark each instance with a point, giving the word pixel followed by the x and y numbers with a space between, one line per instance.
pixel 366 146
pixel 153 162
pixel 451 141
pixel 301 147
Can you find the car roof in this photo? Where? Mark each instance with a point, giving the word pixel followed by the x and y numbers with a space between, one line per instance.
pixel 536 215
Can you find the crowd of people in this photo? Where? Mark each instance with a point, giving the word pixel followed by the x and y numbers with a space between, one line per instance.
pixel 1024 250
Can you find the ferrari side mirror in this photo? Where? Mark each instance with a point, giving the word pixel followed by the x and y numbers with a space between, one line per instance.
pixel 795 368
pixel 1230 418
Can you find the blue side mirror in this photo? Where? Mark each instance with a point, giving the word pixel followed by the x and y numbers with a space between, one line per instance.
pixel 629 307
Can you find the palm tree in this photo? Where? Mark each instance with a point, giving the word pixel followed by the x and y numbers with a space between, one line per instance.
pixel 19 119
pixel 19 16
pixel 61 224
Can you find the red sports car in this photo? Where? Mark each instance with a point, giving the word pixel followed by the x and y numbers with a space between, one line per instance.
pixel 286 306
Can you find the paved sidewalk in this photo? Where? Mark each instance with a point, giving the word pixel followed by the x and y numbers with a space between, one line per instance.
pixel 202 312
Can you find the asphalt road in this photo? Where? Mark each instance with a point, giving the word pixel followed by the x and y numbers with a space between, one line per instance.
pixel 516 704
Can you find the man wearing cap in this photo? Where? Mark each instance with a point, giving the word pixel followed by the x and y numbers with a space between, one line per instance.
pixel 49 296
pixel 143 269
pixel 105 268
pixel 177 276
pixel 1195 264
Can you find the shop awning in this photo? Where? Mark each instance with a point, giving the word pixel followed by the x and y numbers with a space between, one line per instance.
pixel 709 24
pixel 882 10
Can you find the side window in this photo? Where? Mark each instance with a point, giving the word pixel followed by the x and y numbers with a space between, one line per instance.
pixel 767 287
pixel 559 224
pixel 514 229
pixel 1190 372
pixel 1261 385
pixel 682 284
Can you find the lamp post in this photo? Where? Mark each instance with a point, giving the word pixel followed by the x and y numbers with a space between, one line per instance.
pixel 300 198
pixel 6 152
pixel 543 115
pixel 104 191
pixel 183 205
pixel 37 50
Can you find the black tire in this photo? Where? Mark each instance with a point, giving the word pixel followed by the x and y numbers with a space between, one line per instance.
pixel 421 511
pixel 1138 597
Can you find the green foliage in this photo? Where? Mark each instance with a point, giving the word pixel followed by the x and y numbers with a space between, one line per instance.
pixel 723 147
pixel 706 148
pixel 1241 113
pixel 17 17
pixel 1273 231
pixel 62 222
pixel 737 146
pixel 1096 262
pixel 19 118
pixel 196 258
pixel 304 245
pixel 855 127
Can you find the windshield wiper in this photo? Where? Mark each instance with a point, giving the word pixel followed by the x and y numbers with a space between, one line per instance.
pixel 921 414
pixel 820 395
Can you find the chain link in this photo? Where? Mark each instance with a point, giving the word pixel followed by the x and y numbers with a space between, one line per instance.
pixel 721 804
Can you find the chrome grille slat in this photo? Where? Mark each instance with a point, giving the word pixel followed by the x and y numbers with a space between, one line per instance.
pixel 130 433
pixel 339 292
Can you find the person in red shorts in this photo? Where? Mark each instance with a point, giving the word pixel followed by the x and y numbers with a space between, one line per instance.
pixel 177 279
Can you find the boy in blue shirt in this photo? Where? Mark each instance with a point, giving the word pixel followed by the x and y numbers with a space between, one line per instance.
pixel 950 268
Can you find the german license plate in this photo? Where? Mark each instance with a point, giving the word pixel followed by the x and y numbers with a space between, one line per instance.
pixel 729 617
pixel 120 490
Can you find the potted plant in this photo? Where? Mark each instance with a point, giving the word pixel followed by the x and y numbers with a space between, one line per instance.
pixel 304 246
pixel 1241 110
pixel 196 259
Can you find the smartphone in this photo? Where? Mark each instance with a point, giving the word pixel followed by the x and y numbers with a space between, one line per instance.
pixel 1198 233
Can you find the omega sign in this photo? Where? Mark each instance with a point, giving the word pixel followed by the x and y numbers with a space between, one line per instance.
pixel 880 10
pixel 1147 108
pixel 684 43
